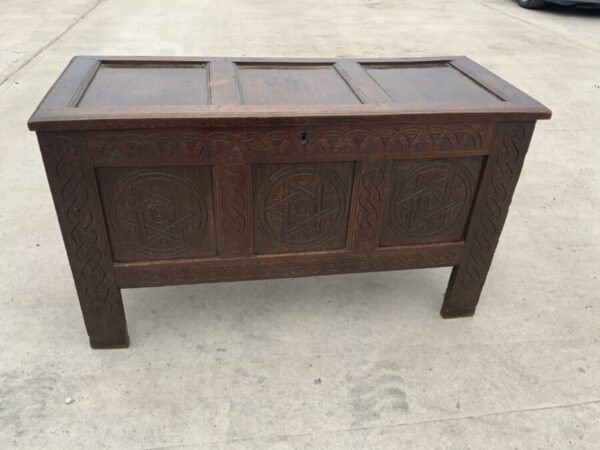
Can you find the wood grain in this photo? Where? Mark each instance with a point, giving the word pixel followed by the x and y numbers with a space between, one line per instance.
pixel 194 170
pixel 77 203
pixel 498 184
pixel 285 266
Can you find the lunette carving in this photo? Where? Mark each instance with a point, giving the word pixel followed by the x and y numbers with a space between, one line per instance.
pixel 247 146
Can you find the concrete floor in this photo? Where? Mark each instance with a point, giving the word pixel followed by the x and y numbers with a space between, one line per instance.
pixel 341 362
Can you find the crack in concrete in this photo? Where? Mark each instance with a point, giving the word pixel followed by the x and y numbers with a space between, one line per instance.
pixel 380 427
pixel 51 42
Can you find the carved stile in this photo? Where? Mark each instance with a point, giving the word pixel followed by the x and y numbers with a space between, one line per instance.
pixel 232 181
pixel 499 181
pixel 77 204
pixel 370 187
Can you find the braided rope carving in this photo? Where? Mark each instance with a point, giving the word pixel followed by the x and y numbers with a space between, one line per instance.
pixel 491 218
pixel 369 201
pixel 233 184
pixel 81 236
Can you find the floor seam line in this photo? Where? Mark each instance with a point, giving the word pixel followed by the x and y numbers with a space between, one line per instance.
pixel 380 427
pixel 51 42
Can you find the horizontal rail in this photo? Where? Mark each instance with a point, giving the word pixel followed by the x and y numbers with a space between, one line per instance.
pixel 291 265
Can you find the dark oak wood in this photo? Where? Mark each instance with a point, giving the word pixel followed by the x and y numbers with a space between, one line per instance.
pixel 158 213
pixel 430 200
pixel 290 265
pixel 301 207
pixel 71 176
pixel 498 183
pixel 194 170
pixel 118 85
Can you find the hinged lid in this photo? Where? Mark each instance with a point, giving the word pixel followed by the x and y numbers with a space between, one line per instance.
pixel 128 92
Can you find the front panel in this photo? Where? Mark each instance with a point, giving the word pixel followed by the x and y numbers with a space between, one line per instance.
pixel 197 195
pixel 300 207
pixel 429 200
pixel 159 213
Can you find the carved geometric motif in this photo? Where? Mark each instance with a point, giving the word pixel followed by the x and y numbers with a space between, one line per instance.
pixel 270 145
pixel 430 200
pixel 304 206
pixel 157 213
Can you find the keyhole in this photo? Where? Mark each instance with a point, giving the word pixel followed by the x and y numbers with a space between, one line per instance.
pixel 304 138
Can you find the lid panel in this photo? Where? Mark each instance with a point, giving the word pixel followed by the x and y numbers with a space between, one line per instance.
pixel 297 84
pixel 429 84
pixel 120 92
pixel 146 85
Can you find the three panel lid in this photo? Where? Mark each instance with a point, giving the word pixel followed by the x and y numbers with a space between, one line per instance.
pixel 124 92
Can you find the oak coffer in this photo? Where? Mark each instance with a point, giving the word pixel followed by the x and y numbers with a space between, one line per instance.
pixel 191 170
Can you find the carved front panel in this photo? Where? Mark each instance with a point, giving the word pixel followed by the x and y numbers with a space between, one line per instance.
pixel 301 206
pixel 430 200
pixel 158 213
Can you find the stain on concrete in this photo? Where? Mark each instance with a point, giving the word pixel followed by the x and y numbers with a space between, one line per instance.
pixel 377 393
pixel 24 398
pixel 375 4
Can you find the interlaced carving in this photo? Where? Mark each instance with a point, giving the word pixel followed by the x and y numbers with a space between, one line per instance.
pixel 233 199
pixel 78 218
pixel 369 202
pixel 491 217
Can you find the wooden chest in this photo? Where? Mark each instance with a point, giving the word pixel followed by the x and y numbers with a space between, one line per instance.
pixel 191 170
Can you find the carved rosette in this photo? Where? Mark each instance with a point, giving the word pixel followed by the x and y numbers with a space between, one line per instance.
pixel 158 213
pixel 300 207
pixel 430 200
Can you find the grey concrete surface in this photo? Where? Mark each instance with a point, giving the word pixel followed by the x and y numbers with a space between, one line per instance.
pixel 340 362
